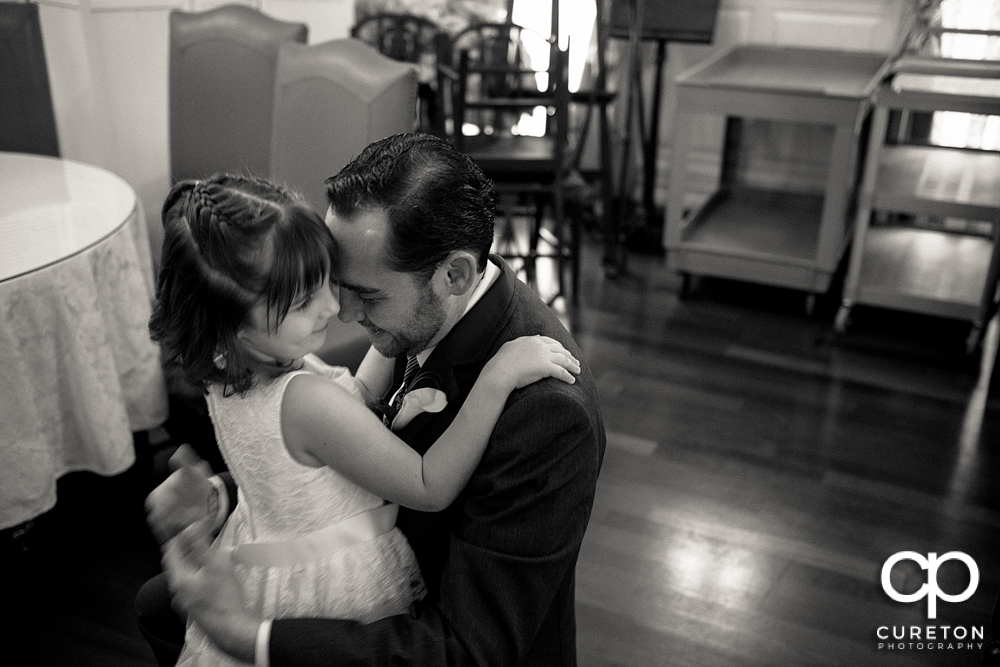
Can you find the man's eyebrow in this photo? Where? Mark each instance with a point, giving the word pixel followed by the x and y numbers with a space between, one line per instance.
pixel 360 289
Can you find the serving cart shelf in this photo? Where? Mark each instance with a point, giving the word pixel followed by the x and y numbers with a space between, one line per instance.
pixel 924 271
pixel 768 234
pixel 913 268
pixel 784 238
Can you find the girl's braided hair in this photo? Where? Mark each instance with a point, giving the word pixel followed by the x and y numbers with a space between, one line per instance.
pixel 230 242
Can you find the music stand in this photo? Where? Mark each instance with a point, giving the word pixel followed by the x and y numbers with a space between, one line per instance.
pixel 691 21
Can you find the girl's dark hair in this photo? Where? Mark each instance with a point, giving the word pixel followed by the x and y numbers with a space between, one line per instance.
pixel 229 242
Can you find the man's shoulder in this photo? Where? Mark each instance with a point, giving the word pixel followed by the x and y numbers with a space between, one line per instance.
pixel 550 420
pixel 580 399
pixel 530 316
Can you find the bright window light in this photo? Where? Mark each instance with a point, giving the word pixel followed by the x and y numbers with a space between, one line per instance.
pixel 576 30
pixel 965 130
pixel 531 124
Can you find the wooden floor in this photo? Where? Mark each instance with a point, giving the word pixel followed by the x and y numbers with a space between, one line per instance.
pixel 759 472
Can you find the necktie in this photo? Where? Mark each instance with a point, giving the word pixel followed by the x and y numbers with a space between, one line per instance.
pixel 411 369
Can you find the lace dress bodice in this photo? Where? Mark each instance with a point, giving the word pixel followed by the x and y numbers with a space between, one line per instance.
pixel 280 499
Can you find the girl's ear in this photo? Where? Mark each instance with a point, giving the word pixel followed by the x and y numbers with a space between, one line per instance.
pixel 458 272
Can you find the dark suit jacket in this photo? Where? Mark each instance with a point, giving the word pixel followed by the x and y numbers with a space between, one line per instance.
pixel 499 562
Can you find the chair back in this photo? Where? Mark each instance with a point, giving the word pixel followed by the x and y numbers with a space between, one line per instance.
pixel 332 100
pixel 27 117
pixel 497 79
pixel 222 76
pixel 496 82
pixel 403 37
pixel 503 47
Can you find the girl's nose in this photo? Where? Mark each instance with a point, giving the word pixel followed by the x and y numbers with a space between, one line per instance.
pixel 330 305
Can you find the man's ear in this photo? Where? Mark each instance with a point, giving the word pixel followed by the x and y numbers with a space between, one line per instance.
pixel 459 272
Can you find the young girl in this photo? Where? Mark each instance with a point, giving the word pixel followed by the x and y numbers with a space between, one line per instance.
pixel 243 301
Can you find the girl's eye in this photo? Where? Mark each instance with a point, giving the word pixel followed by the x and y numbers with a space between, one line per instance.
pixel 306 302
pixel 367 300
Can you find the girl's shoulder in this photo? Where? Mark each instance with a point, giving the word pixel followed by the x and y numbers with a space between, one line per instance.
pixel 339 375
pixel 306 392
pixel 314 408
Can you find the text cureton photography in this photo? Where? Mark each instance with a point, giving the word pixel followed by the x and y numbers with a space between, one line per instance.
pixel 939 636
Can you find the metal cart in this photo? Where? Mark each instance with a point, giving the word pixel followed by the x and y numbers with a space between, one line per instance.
pixel 783 238
pixel 928 269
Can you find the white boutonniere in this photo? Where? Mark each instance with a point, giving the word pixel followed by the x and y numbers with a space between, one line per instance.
pixel 425 399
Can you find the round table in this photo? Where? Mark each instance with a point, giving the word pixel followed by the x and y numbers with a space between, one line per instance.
pixel 80 373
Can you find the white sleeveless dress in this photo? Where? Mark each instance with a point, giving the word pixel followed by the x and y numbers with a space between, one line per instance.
pixel 283 501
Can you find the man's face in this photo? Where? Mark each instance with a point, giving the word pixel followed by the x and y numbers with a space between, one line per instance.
pixel 400 311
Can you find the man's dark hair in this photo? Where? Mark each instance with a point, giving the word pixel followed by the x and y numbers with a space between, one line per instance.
pixel 436 199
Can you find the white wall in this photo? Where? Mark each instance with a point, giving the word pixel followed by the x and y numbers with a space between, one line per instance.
pixel 107 63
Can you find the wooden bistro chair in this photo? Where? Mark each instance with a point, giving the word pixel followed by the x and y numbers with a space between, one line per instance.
pixel 492 85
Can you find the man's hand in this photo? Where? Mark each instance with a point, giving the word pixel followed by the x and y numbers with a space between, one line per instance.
pixel 183 498
pixel 205 587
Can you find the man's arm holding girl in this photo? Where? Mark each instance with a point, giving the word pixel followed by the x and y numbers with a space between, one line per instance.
pixel 503 569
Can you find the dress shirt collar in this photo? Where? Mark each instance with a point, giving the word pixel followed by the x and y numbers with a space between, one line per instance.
pixel 489 277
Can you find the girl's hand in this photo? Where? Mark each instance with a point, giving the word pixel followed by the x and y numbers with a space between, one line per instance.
pixel 183 498
pixel 528 359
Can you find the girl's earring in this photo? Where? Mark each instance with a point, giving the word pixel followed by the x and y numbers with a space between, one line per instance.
pixel 220 361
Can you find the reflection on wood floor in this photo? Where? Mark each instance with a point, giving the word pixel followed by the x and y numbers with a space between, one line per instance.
pixel 759 472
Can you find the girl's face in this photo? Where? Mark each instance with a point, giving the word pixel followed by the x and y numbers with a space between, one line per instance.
pixel 302 331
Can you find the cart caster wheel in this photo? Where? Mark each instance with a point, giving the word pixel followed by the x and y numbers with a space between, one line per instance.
pixel 613 263
pixel 974 340
pixel 810 305
pixel 685 290
pixel 843 320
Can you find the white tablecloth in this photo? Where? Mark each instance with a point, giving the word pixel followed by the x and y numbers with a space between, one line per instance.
pixel 78 373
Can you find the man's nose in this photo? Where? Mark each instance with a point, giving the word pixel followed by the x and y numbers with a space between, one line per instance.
pixel 350 307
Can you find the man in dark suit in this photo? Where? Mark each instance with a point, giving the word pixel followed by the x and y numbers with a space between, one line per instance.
pixel 413 220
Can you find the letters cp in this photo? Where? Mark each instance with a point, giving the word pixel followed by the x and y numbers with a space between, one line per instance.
pixel 930 589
